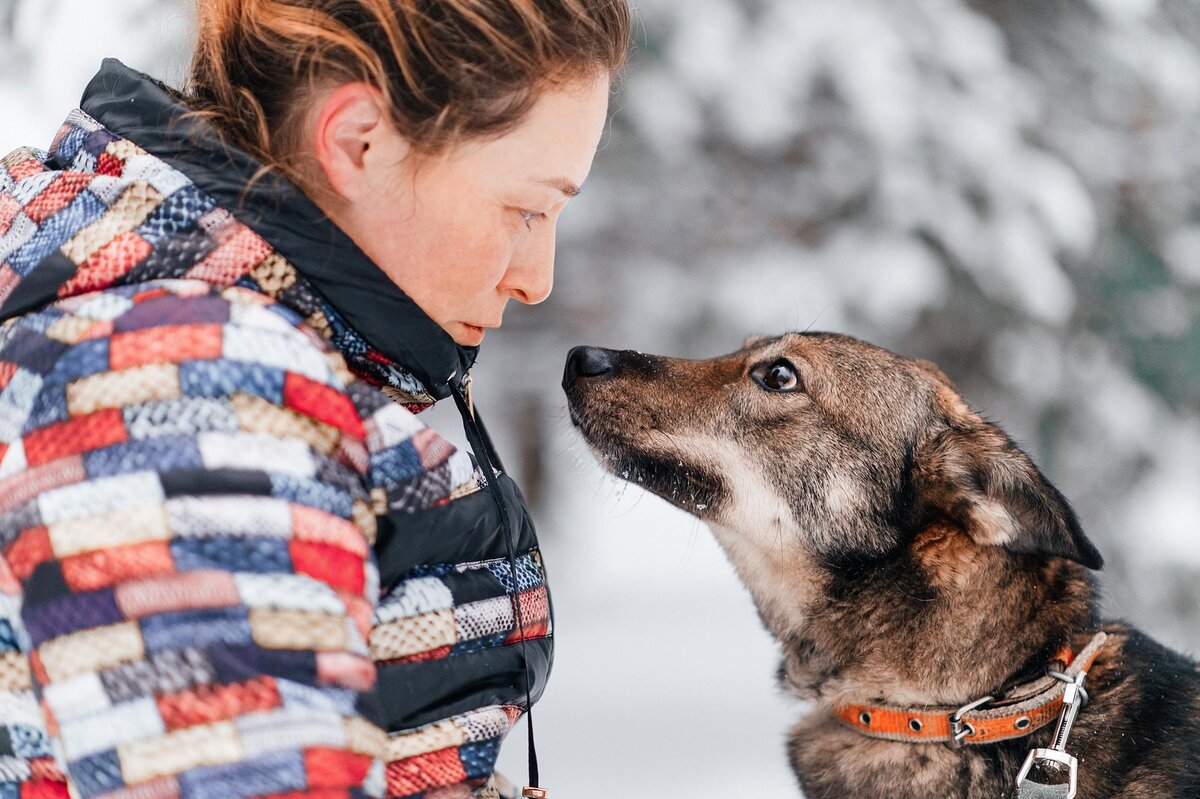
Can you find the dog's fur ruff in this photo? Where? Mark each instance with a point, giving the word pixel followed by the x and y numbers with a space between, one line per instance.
pixel 903 551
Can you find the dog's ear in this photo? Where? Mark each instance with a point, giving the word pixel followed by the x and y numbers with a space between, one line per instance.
pixel 974 474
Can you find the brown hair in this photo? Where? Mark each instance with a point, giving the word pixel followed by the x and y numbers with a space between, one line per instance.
pixel 449 70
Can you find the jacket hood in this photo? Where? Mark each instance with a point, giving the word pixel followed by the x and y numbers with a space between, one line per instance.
pixel 136 107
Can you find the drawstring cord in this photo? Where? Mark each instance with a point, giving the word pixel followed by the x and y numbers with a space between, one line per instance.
pixel 485 452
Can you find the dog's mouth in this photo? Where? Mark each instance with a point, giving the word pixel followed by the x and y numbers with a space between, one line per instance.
pixel 684 485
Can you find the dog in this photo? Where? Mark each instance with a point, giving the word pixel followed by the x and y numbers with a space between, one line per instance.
pixel 927 584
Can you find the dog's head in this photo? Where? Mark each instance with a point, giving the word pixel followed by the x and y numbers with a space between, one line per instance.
pixel 816 441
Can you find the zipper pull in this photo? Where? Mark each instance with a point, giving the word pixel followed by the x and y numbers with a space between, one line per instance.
pixel 468 394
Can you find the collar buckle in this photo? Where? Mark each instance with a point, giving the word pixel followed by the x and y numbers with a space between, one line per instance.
pixel 961 730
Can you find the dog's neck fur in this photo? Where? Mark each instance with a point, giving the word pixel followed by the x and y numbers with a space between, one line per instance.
pixel 914 628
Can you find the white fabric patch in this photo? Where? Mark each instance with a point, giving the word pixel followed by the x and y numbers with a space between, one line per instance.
pixel 287 592
pixel 104 306
pixel 77 697
pixel 414 597
pixel 201 517
pixel 169 181
pixel 483 618
pixel 289 728
pixel 120 724
pixel 248 451
pixel 20 707
pixel 391 425
pixel 99 496
pixel 284 349
pixel 19 232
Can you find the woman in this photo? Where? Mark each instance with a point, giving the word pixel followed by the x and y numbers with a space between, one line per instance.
pixel 233 562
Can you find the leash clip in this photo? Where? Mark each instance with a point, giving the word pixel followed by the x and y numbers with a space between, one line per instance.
pixel 1074 697
pixel 960 730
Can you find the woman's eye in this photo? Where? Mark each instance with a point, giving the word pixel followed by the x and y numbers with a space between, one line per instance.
pixel 778 376
pixel 532 216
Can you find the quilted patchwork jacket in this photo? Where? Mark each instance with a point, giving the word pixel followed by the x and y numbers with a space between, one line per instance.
pixel 234 563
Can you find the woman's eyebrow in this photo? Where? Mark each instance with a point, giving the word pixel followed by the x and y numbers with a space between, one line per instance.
pixel 562 184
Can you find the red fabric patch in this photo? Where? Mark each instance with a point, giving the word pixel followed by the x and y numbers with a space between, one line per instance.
pixel 44 768
pixel 150 294
pixel 26 167
pixel 94 431
pixel 322 403
pixel 107 164
pixel 359 609
pixel 231 259
pixel 208 703
pixel 422 772
pixel 166 344
pixel 329 564
pixel 7 370
pixel 44 789
pixel 39 674
pixel 317 526
pixel 56 196
pixel 107 265
pixel 89 571
pixel 31 548
pixel 335 768
pixel 316 793
pixel 429 654
pixel 8 212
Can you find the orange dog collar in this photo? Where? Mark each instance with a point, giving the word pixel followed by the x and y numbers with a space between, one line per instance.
pixel 982 721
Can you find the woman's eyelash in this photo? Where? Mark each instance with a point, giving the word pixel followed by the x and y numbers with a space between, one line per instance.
pixel 530 216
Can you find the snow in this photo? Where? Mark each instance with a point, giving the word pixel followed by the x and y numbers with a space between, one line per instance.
pixel 1009 189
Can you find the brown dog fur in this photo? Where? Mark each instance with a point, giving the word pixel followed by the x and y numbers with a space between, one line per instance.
pixel 901 548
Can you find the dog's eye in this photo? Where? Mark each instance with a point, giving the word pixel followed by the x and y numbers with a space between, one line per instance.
pixel 778 376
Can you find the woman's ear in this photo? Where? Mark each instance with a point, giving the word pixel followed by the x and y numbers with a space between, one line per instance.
pixel 351 121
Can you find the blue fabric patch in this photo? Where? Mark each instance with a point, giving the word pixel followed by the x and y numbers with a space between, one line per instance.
pixel 221 378
pixel 82 359
pixel 306 491
pixel 49 407
pixel 240 663
pixel 163 454
pixel 68 145
pixel 233 554
pixel 199 628
pixel 479 759
pixel 478 644
pixel 32 351
pixel 55 231
pixel 97 773
pixel 29 741
pixel 275 772
pixel 177 214
pixel 173 310
pixel 8 637
pixel 98 140
pixel 395 464
pixel 70 613
pixel 528 574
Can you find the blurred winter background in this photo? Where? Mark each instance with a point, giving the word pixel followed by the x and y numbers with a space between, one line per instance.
pixel 1008 187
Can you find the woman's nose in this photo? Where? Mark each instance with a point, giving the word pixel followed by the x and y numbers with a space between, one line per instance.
pixel 530 275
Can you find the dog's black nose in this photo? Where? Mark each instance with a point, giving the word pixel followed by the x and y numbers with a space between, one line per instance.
pixel 590 362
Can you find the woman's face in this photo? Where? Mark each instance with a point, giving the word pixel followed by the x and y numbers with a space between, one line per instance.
pixel 463 232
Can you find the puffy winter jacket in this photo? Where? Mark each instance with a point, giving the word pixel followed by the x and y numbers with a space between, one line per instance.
pixel 233 561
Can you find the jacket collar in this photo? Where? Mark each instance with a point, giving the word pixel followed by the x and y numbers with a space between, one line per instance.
pixel 135 106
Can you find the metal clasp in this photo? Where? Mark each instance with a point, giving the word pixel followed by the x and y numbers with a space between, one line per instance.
pixel 1052 756
pixel 959 729
pixel 1074 698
